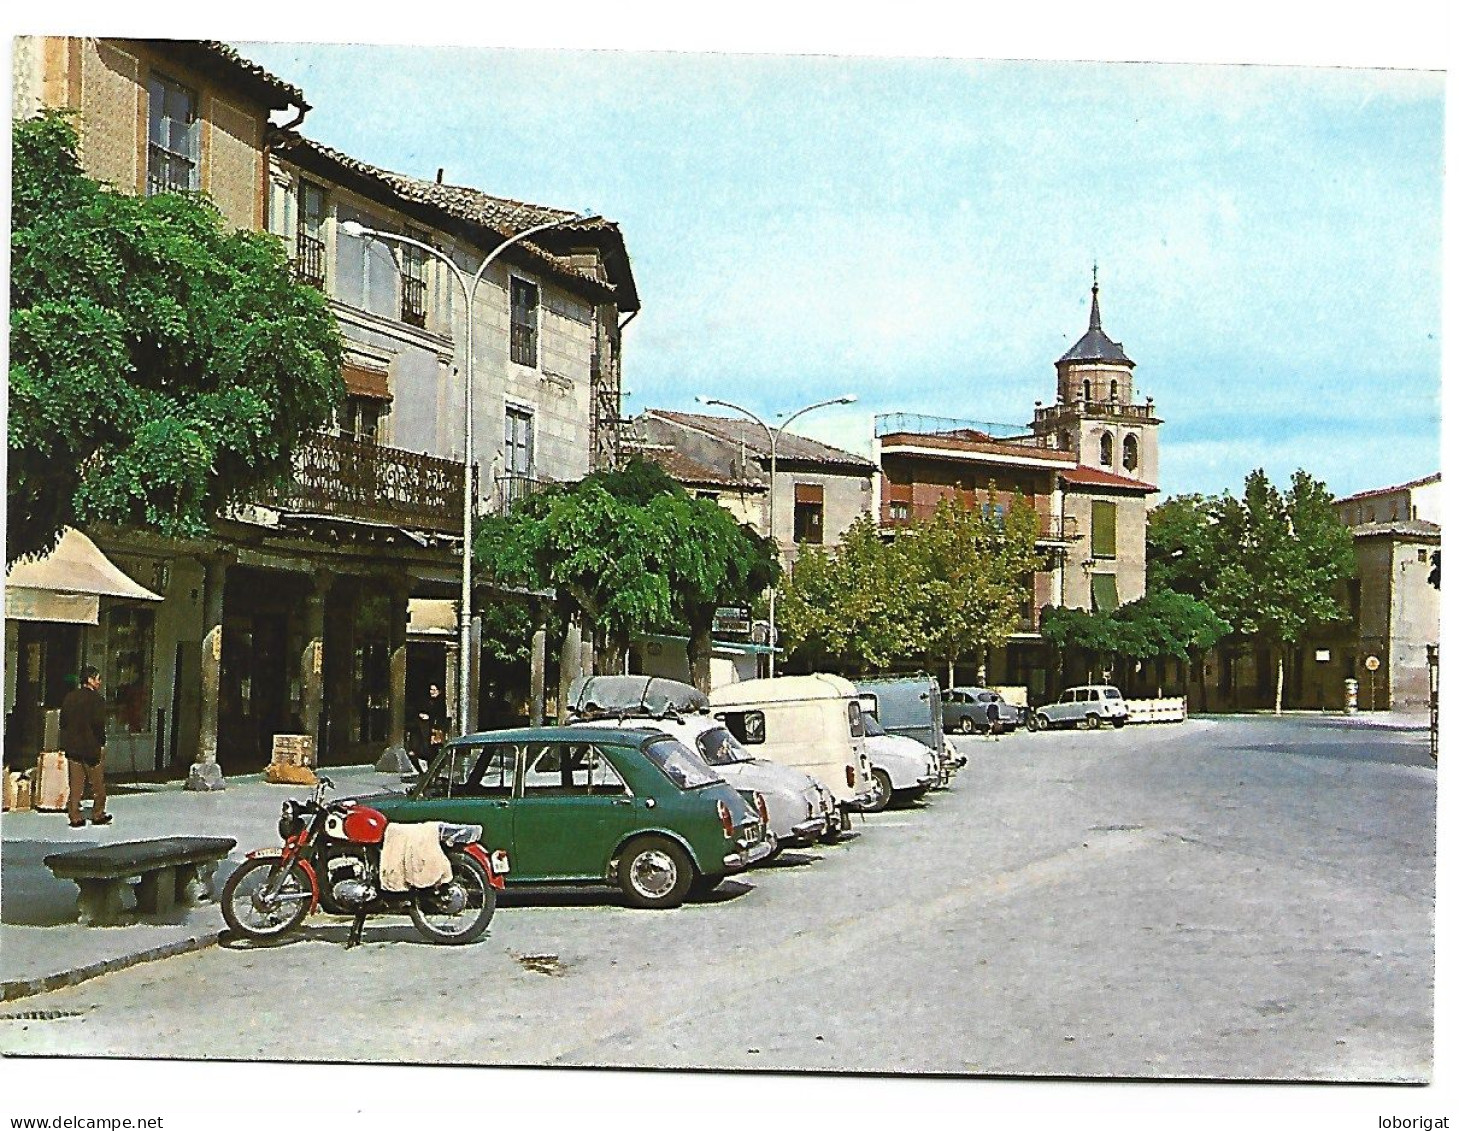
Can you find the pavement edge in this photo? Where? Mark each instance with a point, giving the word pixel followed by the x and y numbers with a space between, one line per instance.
pixel 29 987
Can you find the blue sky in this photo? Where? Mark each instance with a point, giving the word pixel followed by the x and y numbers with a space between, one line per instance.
pixel 921 231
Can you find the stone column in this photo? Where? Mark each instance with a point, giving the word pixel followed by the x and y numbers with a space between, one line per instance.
pixel 571 665
pixel 399 625
pixel 539 664
pixel 205 774
pixel 311 661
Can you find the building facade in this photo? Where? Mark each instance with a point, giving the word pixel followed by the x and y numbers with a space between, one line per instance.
pixel 319 609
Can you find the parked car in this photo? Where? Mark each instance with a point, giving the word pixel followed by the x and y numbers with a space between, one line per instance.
pixel 1090 707
pixel 627 806
pixel 912 706
pixel 799 811
pixel 902 769
pixel 809 722
pixel 970 709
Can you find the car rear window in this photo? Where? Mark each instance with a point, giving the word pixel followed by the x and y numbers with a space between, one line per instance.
pixel 719 748
pixel 679 764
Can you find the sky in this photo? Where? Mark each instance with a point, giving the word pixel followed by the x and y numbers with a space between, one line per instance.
pixel 921 231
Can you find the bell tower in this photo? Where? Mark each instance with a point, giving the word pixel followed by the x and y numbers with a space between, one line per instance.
pixel 1096 415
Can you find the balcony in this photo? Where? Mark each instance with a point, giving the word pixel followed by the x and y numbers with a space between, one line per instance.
pixel 168 171
pixel 413 301
pixel 897 515
pixel 1103 410
pixel 511 489
pixel 309 261
pixel 345 478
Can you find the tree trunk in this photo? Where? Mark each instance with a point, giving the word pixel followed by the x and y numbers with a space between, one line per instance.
pixel 1281 675
pixel 700 649
pixel 950 677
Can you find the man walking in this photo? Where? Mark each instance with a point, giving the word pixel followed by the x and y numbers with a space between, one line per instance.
pixel 83 738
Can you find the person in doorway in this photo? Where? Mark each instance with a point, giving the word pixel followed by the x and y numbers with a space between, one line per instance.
pixel 430 727
pixel 83 738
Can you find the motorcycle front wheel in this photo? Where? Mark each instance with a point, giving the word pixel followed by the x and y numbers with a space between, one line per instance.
pixel 458 911
pixel 250 909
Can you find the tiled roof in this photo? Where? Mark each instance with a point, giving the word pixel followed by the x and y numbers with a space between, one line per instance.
pixel 1093 477
pixel 208 54
pixel 1424 482
pixel 749 434
pixel 499 215
pixel 683 469
pixel 1411 528
pixel 1096 345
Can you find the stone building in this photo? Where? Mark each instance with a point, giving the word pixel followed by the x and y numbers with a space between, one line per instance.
pixel 818 490
pixel 320 610
pixel 1087 464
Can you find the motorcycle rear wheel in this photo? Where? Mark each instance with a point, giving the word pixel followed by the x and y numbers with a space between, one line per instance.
pixel 457 912
pixel 251 914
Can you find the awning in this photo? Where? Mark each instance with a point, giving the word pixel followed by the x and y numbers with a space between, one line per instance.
pixel 67 584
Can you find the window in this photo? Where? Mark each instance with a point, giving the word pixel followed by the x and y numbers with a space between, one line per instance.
pixel 524 322
pixel 1107 450
pixel 519 442
pixel 810 513
pixel 473 771
pixel 994 512
pixel 359 419
pixel 1088 390
pixel 172 138
pixel 127 673
pixel 1103 593
pixel 1132 452
pixel 748 727
pixel 680 765
pixel 309 240
pixel 1102 515
pixel 570 768
pixel 1114 392
pixel 412 284
pixel 900 512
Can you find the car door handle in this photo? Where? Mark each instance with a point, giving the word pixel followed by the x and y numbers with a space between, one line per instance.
pixel 623 801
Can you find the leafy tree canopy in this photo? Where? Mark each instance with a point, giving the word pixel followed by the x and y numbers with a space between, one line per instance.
pixel 161 367
pixel 1181 545
pixel 632 550
pixel 939 589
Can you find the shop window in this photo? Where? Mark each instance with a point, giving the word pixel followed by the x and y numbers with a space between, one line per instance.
pixel 1102 515
pixel 127 672
pixel 525 303
pixel 172 138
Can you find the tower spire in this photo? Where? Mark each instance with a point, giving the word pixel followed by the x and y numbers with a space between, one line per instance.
pixel 1094 304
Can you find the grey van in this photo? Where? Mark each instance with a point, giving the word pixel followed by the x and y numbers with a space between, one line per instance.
pixel 911 706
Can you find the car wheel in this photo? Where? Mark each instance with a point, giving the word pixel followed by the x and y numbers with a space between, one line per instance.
pixel 655 872
pixel 965 724
pixel 882 782
pixel 1091 722
pixel 1117 723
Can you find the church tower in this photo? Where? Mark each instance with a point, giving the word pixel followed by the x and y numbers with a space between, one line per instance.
pixel 1096 415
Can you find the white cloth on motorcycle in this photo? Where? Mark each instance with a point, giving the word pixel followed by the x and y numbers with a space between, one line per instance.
pixel 411 857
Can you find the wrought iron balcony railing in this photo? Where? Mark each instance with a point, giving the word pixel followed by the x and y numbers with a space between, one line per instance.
pixel 897 515
pixel 346 478
pixel 412 301
pixel 169 172
pixel 309 260
pixel 511 489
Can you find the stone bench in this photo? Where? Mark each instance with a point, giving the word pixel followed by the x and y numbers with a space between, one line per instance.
pixel 168 871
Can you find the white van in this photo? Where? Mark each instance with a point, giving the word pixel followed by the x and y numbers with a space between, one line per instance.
pixel 810 722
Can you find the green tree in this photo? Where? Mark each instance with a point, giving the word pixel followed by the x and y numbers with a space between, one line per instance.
pixel 940 589
pixel 1181 540
pixel 1284 554
pixel 161 368
pixel 633 552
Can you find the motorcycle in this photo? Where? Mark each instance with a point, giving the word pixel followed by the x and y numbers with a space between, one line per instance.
pixel 331 859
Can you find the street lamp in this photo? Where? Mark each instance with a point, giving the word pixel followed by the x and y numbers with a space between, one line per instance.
pixel 774 435
pixel 468 289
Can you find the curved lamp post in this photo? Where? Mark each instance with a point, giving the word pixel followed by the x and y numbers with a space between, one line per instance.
pixel 468 289
pixel 774 434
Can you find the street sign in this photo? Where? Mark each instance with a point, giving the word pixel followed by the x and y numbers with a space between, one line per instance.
pixel 1371 663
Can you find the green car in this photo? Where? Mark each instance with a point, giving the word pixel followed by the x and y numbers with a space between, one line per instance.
pixel 577 805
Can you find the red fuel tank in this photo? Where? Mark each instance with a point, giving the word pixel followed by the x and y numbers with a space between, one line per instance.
pixel 363 825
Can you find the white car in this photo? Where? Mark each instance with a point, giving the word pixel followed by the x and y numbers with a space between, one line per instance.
pixel 800 811
pixel 1089 707
pixel 901 768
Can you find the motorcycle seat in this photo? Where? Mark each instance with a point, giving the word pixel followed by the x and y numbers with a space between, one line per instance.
pixel 459 836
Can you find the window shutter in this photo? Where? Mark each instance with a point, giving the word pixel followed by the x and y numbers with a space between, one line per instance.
pixel 1104 592
pixel 1103 515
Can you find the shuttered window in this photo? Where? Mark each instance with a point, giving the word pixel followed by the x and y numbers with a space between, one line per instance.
pixel 1103 592
pixel 1103 517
